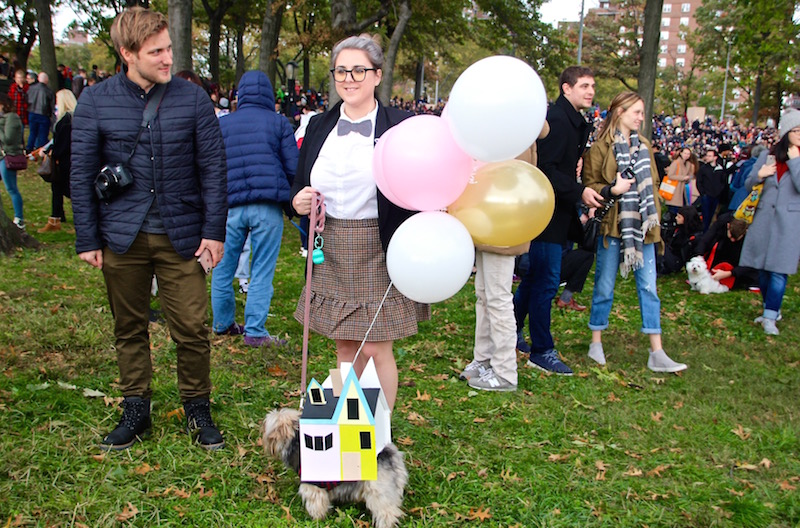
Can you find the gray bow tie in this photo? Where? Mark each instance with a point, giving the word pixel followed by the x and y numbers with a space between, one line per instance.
pixel 362 127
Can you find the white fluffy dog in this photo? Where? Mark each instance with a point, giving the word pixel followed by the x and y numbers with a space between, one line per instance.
pixel 383 497
pixel 700 278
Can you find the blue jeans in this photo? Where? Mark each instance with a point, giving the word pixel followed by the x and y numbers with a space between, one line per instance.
pixel 709 205
pixel 40 128
pixel 10 180
pixel 605 276
pixel 773 286
pixel 264 222
pixel 535 294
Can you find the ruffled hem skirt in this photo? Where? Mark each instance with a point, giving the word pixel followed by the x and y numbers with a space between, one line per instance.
pixel 347 289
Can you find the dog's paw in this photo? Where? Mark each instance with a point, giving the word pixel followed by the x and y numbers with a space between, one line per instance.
pixel 316 500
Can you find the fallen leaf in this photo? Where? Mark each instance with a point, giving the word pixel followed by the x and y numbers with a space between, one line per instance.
pixel 600 465
pixel 422 397
pixel 556 457
pixel 144 469
pixel 91 393
pixel 555 511
pixel 745 466
pixel 741 432
pixel 128 512
pixel 454 475
pixel 415 418
pixel 678 427
pixel 203 493
pixel 405 441
pixel 483 473
pixel 479 420
pixel 656 471
pixel 508 476
pixel 613 398
pixel 66 386
pixel 479 515
pixel 656 417
pixel 678 405
pixel 99 458
pixel 288 514
pixel 765 463
pixel 440 377
pixel 734 492
pixel 633 472
pixel 276 371
pixel 658 381
pixel 178 413
pixel 785 486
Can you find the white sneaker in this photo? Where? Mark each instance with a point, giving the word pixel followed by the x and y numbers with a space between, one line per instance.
pixel 19 222
pixel 243 285
pixel 769 326
pixel 474 370
pixel 760 318
pixel 659 361
pixel 303 252
pixel 596 353
pixel 489 381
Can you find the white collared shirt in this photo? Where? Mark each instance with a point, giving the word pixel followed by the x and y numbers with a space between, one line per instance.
pixel 343 172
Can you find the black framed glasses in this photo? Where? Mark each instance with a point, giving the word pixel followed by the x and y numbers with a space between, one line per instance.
pixel 358 73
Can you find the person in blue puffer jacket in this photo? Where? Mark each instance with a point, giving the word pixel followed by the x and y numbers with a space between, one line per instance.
pixel 262 160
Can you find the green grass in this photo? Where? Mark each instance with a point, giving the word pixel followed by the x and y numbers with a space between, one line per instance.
pixel 618 446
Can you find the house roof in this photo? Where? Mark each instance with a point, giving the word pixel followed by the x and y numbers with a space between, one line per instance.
pixel 325 412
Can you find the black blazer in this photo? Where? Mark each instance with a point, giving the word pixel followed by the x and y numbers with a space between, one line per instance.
pixel 559 153
pixel 390 216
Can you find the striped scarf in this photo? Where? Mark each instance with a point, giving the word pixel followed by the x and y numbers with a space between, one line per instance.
pixel 637 210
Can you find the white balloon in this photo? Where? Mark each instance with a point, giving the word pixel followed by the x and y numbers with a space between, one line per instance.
pixel 430 257
pixel 497 108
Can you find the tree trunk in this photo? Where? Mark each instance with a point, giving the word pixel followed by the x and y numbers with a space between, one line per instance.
pixel 214 31
pixel 648 61
pixel 757 97
pixel 270 31
pixel 241 60
pixel 385 89
pixel 418 80
pixel 180 31
pixel 11 237
pixel 27 34
pixel 47 47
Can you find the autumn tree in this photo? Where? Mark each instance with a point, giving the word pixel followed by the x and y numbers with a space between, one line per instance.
pixel 762 35
pixel 18 30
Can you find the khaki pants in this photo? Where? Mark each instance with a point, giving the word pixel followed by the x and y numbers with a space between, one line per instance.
pixel 495 327
pixel 184 300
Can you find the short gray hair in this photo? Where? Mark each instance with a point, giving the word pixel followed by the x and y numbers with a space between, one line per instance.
pixel 364 42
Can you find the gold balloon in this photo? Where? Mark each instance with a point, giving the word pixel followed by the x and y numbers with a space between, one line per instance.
pixel 505 204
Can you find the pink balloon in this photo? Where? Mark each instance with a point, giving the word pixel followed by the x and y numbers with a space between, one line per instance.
pixel 423 165
pixel 379 175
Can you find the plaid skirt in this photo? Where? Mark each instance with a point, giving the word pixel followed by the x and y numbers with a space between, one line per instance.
pixel 346 289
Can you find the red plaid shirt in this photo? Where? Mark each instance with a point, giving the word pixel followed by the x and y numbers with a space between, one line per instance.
pixel 19 96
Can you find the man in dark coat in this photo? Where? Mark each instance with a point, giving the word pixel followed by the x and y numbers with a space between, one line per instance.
pixel 169 217
pixel 262 160
pixel 559 153
pixel 711 182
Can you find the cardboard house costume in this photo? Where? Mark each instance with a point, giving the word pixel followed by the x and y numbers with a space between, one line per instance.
pixel 345 423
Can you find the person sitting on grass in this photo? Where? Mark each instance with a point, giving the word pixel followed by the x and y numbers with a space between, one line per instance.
pixel 721 246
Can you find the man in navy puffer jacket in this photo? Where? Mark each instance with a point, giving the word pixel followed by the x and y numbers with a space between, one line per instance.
pixel 172 213
pixel 262 159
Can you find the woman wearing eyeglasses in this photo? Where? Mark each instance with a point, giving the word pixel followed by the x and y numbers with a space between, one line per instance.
pixel 336 161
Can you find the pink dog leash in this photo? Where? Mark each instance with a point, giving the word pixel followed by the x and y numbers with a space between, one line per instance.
pixel 316 225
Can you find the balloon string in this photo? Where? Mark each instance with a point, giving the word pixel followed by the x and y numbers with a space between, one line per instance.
pixel 373 322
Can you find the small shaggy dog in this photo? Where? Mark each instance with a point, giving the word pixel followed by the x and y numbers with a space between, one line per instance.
pixel 383 497
pixel 700 278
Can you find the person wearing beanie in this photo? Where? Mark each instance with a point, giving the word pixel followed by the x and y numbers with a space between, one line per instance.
pixel 772 245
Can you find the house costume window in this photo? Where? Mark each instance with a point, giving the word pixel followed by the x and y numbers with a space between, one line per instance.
pixel 366 441
pixel 352 409
pixel 319 443
pixel 316 395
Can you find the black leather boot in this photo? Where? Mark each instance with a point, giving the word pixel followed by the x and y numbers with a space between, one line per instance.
pixel 200 426
pixel 135 422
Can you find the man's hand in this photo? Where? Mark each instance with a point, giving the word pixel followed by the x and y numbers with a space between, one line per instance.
pixel 215 247
pixel 591 197
pixel 720 275
pixel 94 258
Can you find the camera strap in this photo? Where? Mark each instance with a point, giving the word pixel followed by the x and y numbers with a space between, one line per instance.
pixel 150 112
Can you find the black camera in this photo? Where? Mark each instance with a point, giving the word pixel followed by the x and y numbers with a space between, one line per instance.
pixel 628 174
pixel 111 181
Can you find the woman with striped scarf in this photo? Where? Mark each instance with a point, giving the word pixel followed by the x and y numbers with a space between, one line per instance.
pixel 620 166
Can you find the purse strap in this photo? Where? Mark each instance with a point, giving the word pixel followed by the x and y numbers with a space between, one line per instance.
pixel 150 112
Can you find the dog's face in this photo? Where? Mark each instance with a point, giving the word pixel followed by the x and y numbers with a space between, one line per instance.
pixel 280 436
pixel 695 267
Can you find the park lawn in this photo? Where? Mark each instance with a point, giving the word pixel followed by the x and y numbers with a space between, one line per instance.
pixel 616 446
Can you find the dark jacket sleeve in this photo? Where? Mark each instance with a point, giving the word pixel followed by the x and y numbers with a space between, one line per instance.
pixel 86 145
pixel 211 170
pixel 551 150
